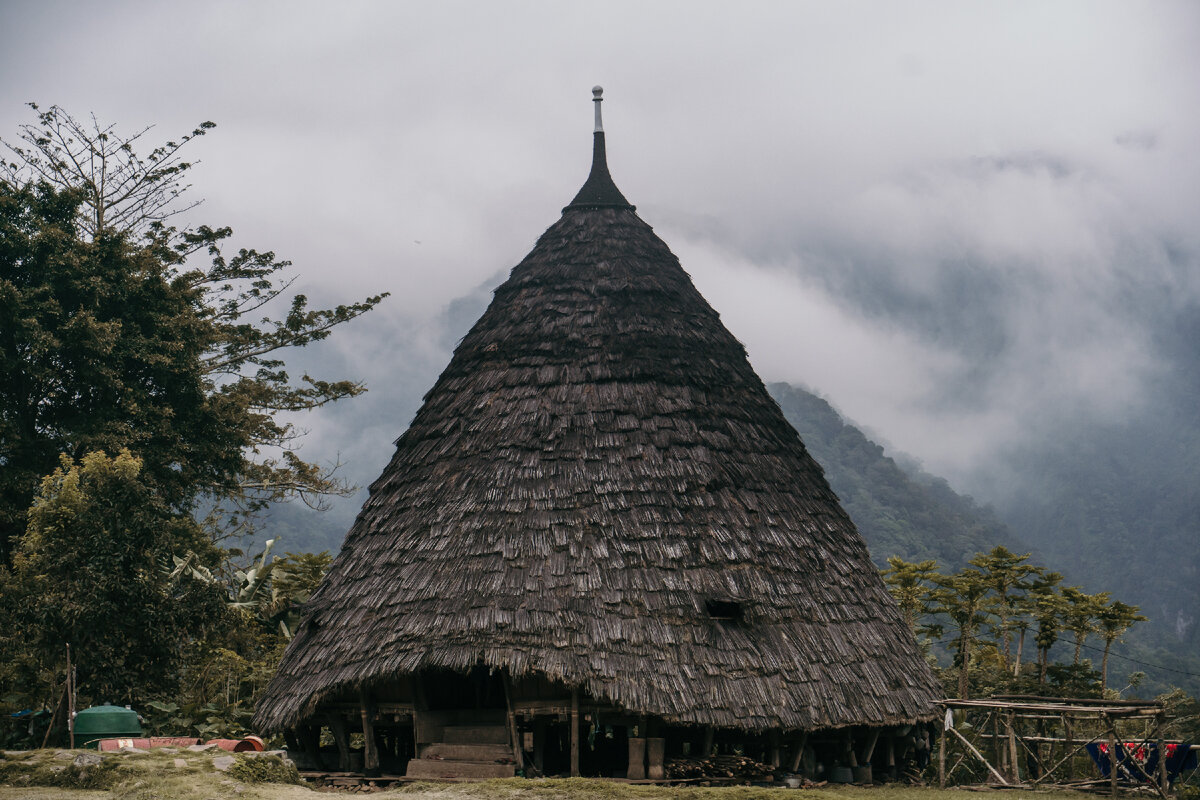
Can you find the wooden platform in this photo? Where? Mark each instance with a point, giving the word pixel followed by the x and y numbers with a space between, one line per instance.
pixel 466 751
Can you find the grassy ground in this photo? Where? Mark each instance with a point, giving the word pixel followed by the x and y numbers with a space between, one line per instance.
pixel 182 775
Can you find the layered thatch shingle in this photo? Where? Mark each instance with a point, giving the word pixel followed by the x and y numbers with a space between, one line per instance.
pixel 597 474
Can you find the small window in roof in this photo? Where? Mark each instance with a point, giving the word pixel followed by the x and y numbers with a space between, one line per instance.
pixel 728 610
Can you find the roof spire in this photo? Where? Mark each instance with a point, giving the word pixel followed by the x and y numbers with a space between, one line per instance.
pixel 599 191
pixel 598 98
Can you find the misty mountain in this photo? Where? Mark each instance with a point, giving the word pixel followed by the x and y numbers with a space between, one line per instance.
pixel 1119 506
pixel 898 511
pixel 1114 507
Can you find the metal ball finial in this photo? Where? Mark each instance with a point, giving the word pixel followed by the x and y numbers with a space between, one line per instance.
pixel 596 92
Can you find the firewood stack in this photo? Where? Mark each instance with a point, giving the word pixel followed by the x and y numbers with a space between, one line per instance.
pixel 719 767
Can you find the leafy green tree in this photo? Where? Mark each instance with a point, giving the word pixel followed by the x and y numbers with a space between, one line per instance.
pixel 963 597
pixel 1080 614
pixel 1047 607
pixel 911 584
pixel 123 332
pixel 224 675
pixel 1113 619
pixel 89 572
pixel 1007 575
pixel 101 349
pixel 1021 621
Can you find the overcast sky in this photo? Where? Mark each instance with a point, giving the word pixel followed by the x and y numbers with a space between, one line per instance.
pixel 960 222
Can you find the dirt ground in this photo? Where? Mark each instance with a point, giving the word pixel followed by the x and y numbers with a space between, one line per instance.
pixel 183 775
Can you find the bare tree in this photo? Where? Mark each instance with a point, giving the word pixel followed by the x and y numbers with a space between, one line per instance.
pixel 120 189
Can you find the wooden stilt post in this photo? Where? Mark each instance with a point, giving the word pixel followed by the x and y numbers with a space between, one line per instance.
pixel 869 748
pixel 370 748
pixel 518 747
pixel 539 744
pixel 289 739
pixel 420 707
pixel 636 770
pixel 574 733
pixel 798 753
pixel 774 758
pixel 310 743
pixel 710 735
pixel 891 756
pixel 655 757
pixel 337 726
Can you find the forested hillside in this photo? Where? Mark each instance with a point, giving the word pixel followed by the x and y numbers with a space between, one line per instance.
pixel 1114 508
pixel 1119 507
pixel 914 516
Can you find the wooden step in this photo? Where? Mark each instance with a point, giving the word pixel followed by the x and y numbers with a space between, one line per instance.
pixel 454 751
pixel 475 734
pixel 434 768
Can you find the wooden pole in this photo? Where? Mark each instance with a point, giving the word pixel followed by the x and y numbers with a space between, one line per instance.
pixel 54 716
pixel 979 755
pixel 337 726
pixel 1064 760
pixel 869 750
pixel 1112 756
pixel 774 758
pixel 941 756
pixel 1163 786
pixel 420 706
pixel 539 744
pixel 1070 745
pixel 518 746
pixel 370 748
pixel 575 733
pixel 310 738
pixel 710 735
pixel 797 754
pixel 70 698
pixel 998 751
pixel 1014 767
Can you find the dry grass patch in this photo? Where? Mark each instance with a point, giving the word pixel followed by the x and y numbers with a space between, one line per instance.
pixel 184 775
pixel 161 774
pixel 584 789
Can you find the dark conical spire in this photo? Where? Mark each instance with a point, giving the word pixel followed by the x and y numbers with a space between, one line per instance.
pixel 599 191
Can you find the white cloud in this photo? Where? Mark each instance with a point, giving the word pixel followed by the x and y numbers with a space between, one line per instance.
pixel 956 221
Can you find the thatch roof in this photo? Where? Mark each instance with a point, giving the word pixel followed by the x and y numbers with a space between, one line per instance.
pixel 597 470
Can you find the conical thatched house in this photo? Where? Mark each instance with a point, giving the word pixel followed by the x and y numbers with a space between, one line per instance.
pixel 600 538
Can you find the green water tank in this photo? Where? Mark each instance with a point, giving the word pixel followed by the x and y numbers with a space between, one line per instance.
pixel 105 722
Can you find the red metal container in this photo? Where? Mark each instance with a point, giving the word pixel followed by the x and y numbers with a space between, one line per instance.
pixel 239 745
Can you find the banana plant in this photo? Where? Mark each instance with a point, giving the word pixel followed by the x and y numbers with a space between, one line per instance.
pixel 272 588
pixel 248 585
pixel 251 583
